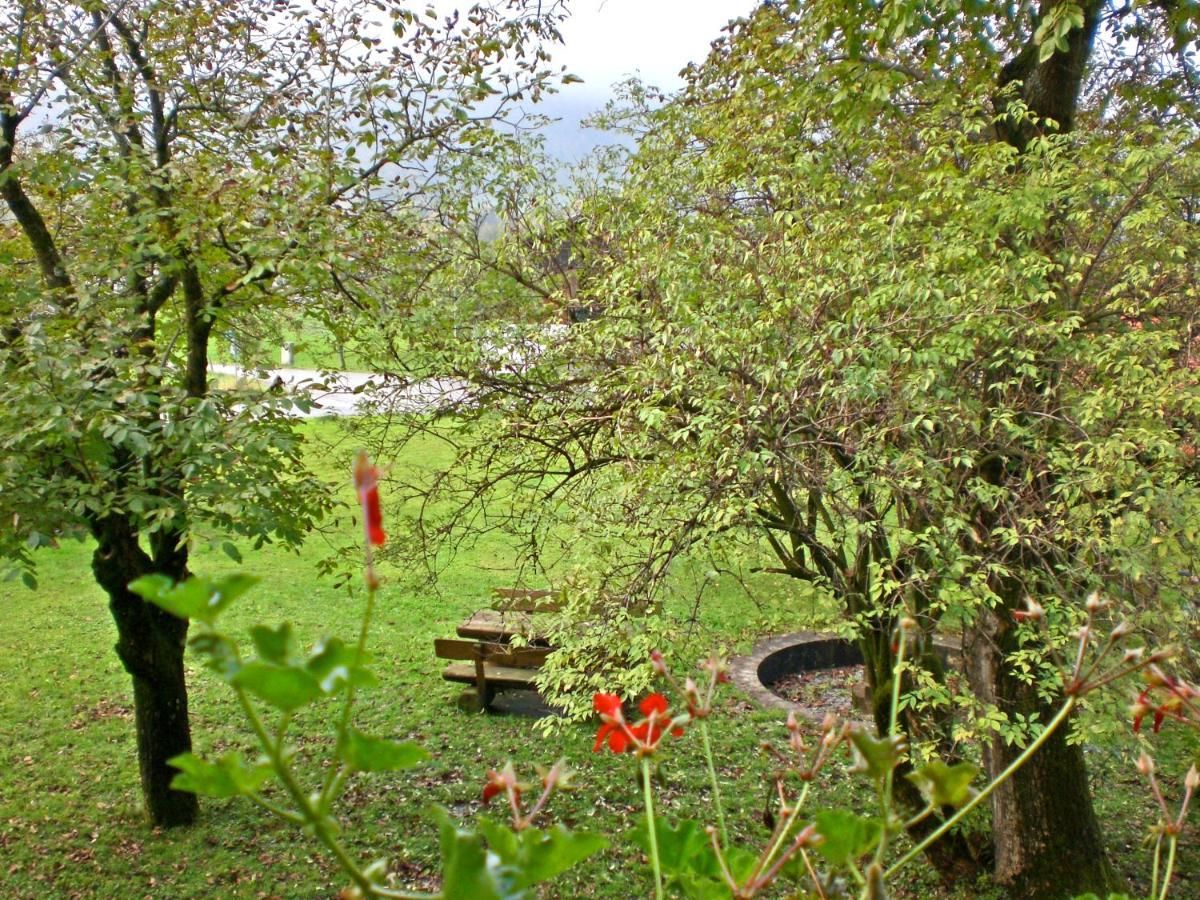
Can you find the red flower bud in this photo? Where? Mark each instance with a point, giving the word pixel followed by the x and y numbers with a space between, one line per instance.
pixel 498 782
pixel 366 483
pixel 656 660
pixel 607 705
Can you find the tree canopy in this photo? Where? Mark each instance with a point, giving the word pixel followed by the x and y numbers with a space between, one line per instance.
pixel 171 171
pixel 901 299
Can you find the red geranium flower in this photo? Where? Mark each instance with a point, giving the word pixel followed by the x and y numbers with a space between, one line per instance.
pixel 1178 693
pixel 643 736
pixel 654 704
pixel 613 730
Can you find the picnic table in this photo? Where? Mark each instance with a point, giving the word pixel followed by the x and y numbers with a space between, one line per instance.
pixel 484 656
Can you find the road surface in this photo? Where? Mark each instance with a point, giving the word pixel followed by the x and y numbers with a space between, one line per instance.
pixel 354 393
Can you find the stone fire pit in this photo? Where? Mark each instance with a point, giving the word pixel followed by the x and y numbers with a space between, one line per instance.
pixel 823 669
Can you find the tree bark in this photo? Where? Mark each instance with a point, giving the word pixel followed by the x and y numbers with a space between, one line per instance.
pixel 150 645
pixel 1046 838
pixel 958 857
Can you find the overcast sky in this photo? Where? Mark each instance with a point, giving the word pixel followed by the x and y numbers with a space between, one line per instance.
pixel 608 40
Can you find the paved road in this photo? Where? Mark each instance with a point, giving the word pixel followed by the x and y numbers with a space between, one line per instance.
pixel 353 393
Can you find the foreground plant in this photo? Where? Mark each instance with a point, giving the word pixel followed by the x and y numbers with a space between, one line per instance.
pixel 1168 699
pixel 828 850
pixel 490 861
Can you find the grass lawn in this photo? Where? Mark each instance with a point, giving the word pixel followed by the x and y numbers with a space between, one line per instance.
pixel 70 816
pixel 314 347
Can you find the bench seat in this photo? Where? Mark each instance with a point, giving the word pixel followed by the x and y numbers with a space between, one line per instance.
pixel 499 676
pixel 495 625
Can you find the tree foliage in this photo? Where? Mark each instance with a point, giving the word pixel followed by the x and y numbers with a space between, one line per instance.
pixel 172 171
pixel 903 294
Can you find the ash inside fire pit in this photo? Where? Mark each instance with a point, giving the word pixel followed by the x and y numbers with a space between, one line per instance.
pixel 821 691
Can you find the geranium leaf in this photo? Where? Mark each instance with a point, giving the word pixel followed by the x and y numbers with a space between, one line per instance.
pixel 876 756
pixel 230 776
pixel 277 645
pixel 286 688
pixel 847 836
pixel 535 855
pixel 363 753
pixel 944 785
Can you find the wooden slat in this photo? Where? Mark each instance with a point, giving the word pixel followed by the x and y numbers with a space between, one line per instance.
pixel 493 625
pixel 499 676
pixel 521 657
pixel 499 654
pixel 448 648
pixel 521 593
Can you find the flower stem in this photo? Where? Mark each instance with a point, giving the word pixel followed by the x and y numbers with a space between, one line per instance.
pixel 897 677
pixel 649 796
pixel 1051 727
pixel 787 826
pixel 315 819
pixel 337 774
pixel 1170 866
pixel 712 777
pixel 1154 867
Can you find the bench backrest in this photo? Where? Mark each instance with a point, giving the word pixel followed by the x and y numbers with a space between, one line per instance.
pixel 526 600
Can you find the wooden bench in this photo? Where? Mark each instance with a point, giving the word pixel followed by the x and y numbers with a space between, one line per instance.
pixel 484 656
pixel 489 667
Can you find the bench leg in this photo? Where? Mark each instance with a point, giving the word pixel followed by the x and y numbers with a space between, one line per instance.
pixel 483 690
pixel 468 701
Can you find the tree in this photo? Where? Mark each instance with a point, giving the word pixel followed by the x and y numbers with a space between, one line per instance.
pixel 908 290
pixel 168 169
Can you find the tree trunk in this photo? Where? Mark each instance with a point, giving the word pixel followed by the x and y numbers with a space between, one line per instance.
pixel 1045 834
pixel 150 644
pixel 957 857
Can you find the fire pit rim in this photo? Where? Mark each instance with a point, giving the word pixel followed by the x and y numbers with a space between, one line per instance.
pixel 744 671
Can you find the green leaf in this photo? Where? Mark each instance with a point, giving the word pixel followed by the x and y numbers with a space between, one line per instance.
pixel 221 653
pixel 196 598
pixel 876 756
pixel 154 589
pixel 535 855
pixel 277 645
pixel 232 551
pixel 696 887
pixel 847 836
pixel 363 753
pixel 681 849
pixel 467 870
pixel 286 688
pixel 230 776
pixel 944 785
pixel 226 590
pixel 335 665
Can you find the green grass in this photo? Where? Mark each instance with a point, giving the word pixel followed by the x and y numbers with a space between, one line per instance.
pixel 71 823
pixel 313 344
